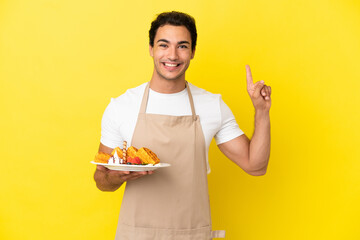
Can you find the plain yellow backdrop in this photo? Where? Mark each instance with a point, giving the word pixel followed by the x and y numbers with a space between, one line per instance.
pixel 62 61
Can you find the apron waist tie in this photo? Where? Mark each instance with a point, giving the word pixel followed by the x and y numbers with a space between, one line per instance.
pixel 218 234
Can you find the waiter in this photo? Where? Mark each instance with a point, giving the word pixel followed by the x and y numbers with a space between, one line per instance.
pixel 177 121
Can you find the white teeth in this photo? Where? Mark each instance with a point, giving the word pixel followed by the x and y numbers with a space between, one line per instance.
pixel 170 65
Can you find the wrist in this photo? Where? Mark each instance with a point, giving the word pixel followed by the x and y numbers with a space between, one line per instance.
pixel 262 119
pixel 262 113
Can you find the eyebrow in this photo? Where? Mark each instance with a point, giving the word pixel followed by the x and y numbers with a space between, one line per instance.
pixel 182 42
pixel 167 41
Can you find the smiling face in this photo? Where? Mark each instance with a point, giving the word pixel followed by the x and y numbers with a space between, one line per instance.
pixel 171 53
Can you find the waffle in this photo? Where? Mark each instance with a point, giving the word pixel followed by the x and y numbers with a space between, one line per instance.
pixel 102 157
pixel 131 152
pixel 147 156
pixel 118 151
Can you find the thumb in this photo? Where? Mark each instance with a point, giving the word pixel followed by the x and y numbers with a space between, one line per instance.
pixel 257 88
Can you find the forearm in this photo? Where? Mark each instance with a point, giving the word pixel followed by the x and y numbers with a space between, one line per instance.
pixel 104 183
pixel 259 148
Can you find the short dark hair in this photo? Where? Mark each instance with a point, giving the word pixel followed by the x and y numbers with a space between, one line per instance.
pixel 176 19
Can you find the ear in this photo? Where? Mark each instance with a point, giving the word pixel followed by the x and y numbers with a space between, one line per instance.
pixel 151 51
pixel 193 53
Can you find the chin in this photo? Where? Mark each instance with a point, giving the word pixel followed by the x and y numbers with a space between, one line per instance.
pixel 171 78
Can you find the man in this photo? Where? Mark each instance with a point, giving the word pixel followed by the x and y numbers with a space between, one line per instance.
pixel 177 121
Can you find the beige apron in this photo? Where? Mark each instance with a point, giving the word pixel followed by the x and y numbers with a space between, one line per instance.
pixel 173 202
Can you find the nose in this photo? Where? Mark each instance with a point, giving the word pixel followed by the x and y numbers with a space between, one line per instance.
pixel 172 54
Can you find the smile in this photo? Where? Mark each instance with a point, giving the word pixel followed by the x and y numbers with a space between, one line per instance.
pixel 171 64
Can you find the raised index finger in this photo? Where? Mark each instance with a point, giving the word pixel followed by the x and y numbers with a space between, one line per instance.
pixel 249 78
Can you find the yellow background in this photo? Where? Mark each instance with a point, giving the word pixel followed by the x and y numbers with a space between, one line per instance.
pixel 62 61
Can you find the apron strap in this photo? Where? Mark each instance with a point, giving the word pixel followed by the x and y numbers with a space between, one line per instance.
pixel 146 97
pixel 191 100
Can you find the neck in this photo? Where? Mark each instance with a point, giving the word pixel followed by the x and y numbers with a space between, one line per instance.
pixel 167 86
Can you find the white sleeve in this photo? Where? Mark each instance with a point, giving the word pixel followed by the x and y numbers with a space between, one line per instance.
pixel 229 128
pixel 110 129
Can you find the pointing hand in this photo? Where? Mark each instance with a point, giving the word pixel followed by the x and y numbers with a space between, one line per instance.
pixel 258 92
